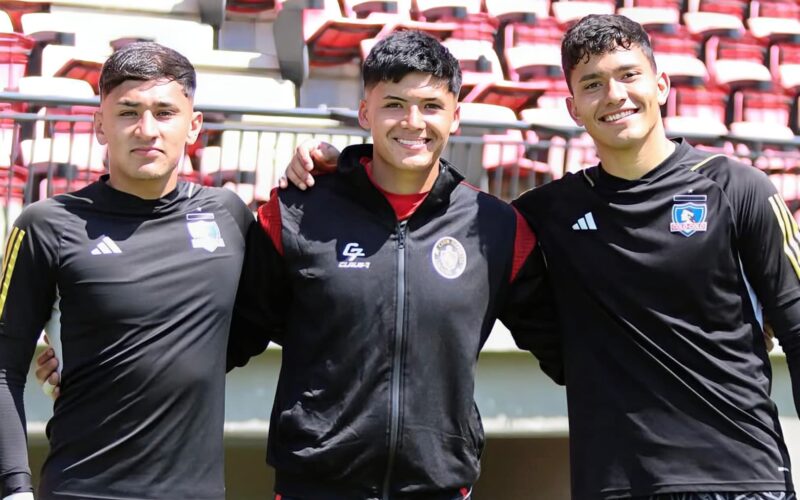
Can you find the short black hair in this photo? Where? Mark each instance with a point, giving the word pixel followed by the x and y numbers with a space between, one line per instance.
pixel 409 51
pixel 598 34
pixel 147 61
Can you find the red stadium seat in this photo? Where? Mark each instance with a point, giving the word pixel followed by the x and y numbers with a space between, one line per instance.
pixel 478 60
pixel 16 9
pixel 737 61
pixel 539 63
pixel 514 11
pixel 653 18
pixel 784 64
pixel 15 50
pixel 513 95
pixel 683 69
pixel 478 27
pixel 567 12
pixel 82 69
pixel 446 10
pixel 250 6
pixel 675 40
pixel 693 110
pixel 735 8
pixel 778 9
pixel 332 38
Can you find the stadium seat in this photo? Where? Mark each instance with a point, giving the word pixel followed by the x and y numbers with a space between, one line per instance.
pixel 705 24
pixel 514 11
pixel 774 29
pixel 446 10
pixel 776 9
pixel 182 34
pixel 515 96
pixel 762 115
pixel 527 63
pixel 735 8
pixel 784 64
pixel 69 142
pixel 250 6
pixel 15 50
pixel 567 12
pixel 15 10
pixel 682 69
pixel 330 37
pixel 503 156
pixel 477 27
pixel 478 60
pixel 653 18
pixel 737 61
pixel 696 111
pixel 661 4
pixel 675 40
pixel 87 70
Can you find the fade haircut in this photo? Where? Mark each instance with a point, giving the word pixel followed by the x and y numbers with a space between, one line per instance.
pixel 411 51
pixel 146 61
pixel 599 34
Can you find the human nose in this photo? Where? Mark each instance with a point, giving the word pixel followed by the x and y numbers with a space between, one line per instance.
pixel 147 126
pixel 616 91
pixel 413 118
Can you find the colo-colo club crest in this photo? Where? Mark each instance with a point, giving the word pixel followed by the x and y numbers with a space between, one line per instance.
pixel 204 231
pixel 689 214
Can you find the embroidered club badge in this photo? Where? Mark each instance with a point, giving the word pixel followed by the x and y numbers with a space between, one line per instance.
pixel 204 231
pixel 449 257
pixel 689 214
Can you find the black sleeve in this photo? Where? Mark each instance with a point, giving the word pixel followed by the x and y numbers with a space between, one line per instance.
pixel 529 312
pixel 261 300
pixel 769 246
pixel 27 294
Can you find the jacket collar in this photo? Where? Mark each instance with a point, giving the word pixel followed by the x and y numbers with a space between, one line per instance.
pixel 350 166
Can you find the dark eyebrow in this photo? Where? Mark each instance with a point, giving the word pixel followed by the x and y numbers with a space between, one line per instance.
pixel 395 98
pixel 592 76
pixel 135 104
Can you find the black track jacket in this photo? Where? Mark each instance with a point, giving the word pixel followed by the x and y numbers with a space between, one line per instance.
pixel 662 282
pixel 381 323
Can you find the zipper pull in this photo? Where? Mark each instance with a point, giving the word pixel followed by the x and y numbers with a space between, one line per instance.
pixel 401 233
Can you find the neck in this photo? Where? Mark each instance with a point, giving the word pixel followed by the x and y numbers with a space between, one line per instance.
pixel 396 181
pixel 151 189
pixel 634 162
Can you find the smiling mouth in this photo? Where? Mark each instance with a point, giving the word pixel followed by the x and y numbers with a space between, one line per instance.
pixel 618 115
pixel 413 142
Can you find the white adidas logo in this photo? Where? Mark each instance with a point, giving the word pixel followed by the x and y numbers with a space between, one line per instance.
pixel 585 223
pixel 105 247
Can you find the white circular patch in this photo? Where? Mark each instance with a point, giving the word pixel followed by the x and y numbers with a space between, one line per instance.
pixel 449 258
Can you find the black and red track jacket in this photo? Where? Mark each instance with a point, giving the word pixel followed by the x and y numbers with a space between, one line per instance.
pixel 381 323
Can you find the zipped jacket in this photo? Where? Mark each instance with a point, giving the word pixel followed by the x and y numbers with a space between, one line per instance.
pixel 381 323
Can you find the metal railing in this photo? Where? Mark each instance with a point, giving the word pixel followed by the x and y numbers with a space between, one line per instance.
pixel 47 146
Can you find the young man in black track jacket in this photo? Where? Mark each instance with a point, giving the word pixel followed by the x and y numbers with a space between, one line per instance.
pixel 382 286
pixel 135 277
pixel 665 262
pixel 674 257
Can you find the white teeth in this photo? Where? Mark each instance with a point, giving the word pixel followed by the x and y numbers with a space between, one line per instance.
pixel 407 142
pixel 618 116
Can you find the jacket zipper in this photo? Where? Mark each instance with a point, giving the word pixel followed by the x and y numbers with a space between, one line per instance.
pixel 394 408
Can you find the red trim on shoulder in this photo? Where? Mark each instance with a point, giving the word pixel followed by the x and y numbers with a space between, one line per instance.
pixel 472 187
pixel 269 216
pixel 524 243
